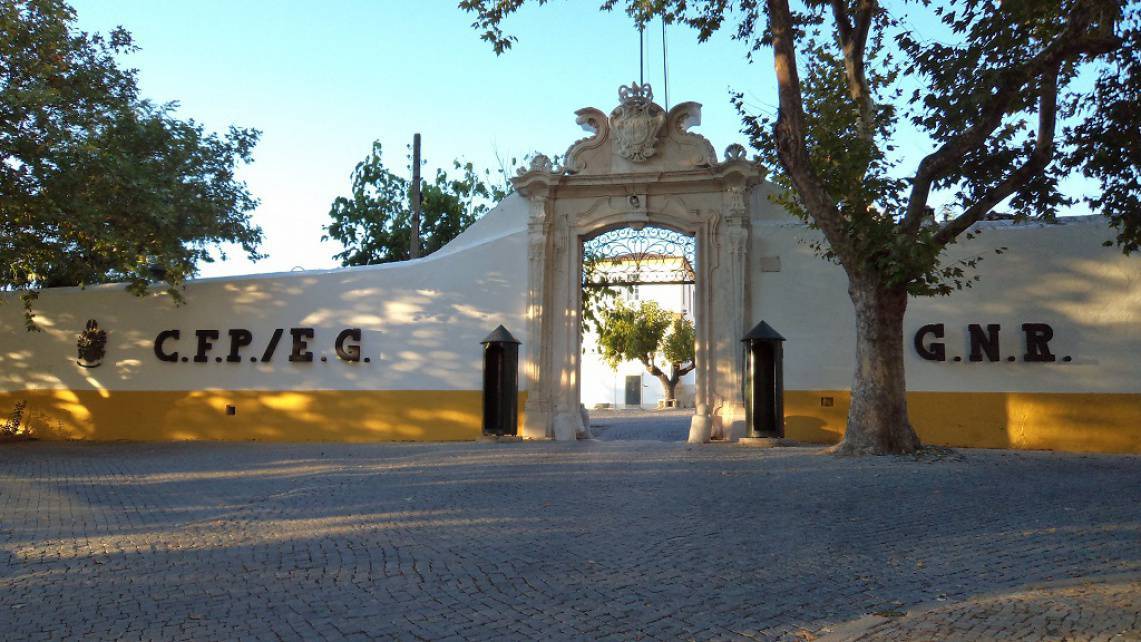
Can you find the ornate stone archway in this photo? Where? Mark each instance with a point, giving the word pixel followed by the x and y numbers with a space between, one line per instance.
pixel 641 165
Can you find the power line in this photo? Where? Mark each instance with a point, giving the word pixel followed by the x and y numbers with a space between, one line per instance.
pixel 665 66
pixel 641 54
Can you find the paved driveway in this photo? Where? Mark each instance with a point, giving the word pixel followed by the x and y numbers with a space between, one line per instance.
pixel 535 541
pixel 640 425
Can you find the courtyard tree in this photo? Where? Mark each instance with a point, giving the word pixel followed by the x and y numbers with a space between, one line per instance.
pixel 374 223
pixel 646 334
pixel 96 183
pixel 1019 94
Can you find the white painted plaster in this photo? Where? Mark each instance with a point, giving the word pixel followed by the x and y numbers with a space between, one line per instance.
pixel 1061 275
pixel 421 323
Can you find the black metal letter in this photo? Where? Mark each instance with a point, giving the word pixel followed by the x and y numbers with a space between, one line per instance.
pixel 981 343
pixel 351 352
pixel 937 351
pixel 268 354
pixel 299 352
pixel 160 340
pixel 204 344
pixel 1038 337
pixel 238 340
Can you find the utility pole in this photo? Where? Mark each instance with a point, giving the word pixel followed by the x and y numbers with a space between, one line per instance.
pixel 414 246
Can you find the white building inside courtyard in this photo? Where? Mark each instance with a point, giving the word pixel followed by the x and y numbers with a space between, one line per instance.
pixel 630 385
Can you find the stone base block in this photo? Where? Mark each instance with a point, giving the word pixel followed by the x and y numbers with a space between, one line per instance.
pixel 767 442
pixel 500 439
pixel 700 429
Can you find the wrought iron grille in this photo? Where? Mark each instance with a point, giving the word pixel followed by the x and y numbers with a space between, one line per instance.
pixel 626 256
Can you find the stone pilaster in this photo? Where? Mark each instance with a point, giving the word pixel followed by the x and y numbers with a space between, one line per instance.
pixel 537 410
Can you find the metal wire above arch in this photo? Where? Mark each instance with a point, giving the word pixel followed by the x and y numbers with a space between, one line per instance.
pixel 628 256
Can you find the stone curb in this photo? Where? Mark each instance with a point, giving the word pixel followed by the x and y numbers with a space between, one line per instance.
pixel 768 442
pixel 499 439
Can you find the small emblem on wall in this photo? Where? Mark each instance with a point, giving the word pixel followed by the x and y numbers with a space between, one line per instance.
pixel 92 345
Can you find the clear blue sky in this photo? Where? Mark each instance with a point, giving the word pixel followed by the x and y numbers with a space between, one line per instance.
pixel 323 80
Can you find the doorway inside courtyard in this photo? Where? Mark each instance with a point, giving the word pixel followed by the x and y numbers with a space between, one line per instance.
pixel 638 366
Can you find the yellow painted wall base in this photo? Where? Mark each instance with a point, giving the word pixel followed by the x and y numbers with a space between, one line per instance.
pixel 291 415
pixel 1076 422
pixel 1045 421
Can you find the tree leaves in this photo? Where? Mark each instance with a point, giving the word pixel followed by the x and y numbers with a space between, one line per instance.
pixel 97 185
pixel 978 95
pixel 374 224
pixel 643 333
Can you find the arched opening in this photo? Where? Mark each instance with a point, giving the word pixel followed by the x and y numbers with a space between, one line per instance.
pixel 637 372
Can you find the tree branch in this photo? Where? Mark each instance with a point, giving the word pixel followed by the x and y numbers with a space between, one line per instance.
pixel 1036 163
pixel 789 132
pixel 853 42
pixel 651 367
pixel 1073 41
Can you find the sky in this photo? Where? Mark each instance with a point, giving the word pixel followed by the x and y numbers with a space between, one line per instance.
pixel 321 81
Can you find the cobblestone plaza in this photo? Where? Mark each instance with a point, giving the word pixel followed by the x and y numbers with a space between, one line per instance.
pixel 621 540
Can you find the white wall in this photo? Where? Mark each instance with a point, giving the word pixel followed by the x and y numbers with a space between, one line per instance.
pixel 422 320
pixel 1055 274
pixel 421 323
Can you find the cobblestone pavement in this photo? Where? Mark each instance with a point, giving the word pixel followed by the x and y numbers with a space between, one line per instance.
pixel 649 425
pixel 1104 610
pixel 534 541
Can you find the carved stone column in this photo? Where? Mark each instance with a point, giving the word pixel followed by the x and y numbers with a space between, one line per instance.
pixel 736 233
pixel 537 410
pixel 564 334
pixel 701 426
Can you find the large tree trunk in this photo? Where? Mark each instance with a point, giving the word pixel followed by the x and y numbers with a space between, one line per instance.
pixel 877 420
pixel 668 384
pixel 671 390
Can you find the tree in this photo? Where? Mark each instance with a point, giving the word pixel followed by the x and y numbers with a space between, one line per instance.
pixel 644 333
pixel 97 184
pixel 600 290
pixel 375 223
pixel 1025 92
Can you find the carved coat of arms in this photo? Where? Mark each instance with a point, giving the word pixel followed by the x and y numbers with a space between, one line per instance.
pixel 636 122
pixel 91 345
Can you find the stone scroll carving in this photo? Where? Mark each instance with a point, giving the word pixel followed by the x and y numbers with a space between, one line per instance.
pixel 639 136
pixel 584 150
pixel 693 150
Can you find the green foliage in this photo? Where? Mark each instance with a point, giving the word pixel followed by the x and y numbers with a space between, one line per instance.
pixel 599 291
pixel 97 184
pixel 643 334
pixel 679 344
pixel 374 224
pixel 1008 104
pixel 632 334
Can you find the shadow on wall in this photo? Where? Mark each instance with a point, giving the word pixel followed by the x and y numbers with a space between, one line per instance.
pixel 1077 422
pixel 422 381
pixel 254 415
pixel 418 376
